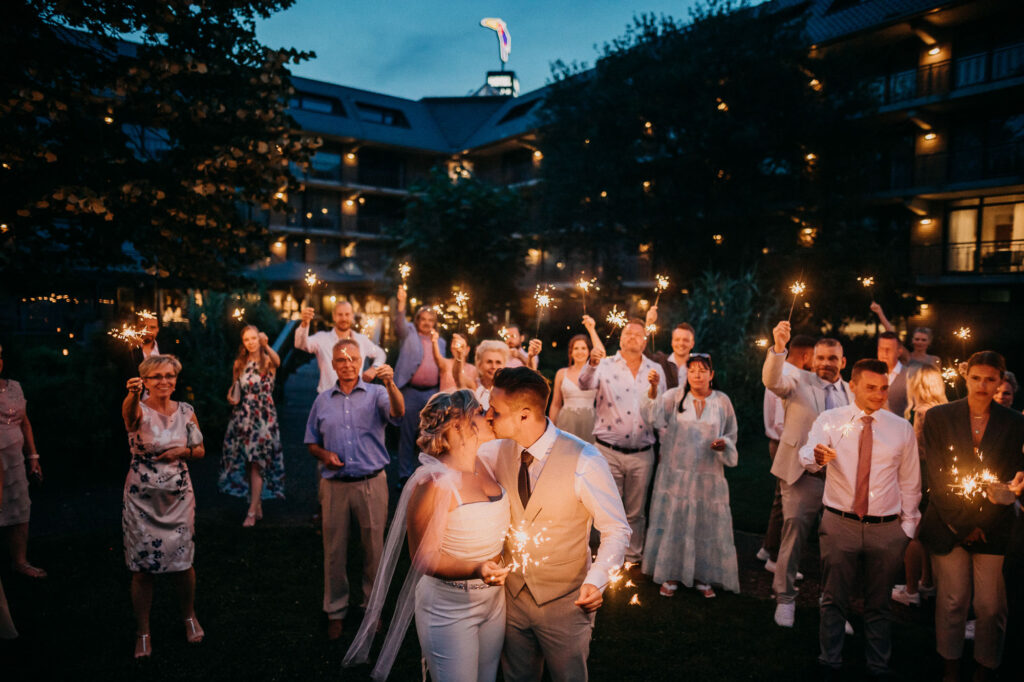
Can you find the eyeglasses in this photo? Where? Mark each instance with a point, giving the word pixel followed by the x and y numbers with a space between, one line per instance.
pixel 700 355
pixel 160 377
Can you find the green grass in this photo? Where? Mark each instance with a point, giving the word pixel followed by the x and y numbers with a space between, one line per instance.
pixel 259 597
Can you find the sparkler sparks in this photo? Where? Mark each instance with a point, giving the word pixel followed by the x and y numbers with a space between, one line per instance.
pixel 971 485
pixel 963 333
pixel 651 329
pixel 635 600
pixel 616 318
pixel 586 285
pixel 797 289
pixel 472 327
pixel 522 545
pixel 128 334
pixel 461 298
pixel 660 284
pixel 543 298
pixel 238 314
pixel 311 280
pixel 866 282
pixel 761 342
pixel 404 270
pixel 146 314
pixel 949 375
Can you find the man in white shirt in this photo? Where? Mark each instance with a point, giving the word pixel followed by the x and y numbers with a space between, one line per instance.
pixel 889 350
pixel 620 432
pixel 558 487
pixel 872 489
pixel 322 343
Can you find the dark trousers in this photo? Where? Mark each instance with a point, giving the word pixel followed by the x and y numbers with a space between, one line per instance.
pixel 845 543
pixel 408 453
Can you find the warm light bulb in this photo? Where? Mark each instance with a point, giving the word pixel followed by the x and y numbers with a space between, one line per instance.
pixel 935 50
pixel 930 136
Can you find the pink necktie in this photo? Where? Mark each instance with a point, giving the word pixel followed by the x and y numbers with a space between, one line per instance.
pixel 860 496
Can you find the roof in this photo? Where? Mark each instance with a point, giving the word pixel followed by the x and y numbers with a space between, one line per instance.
pixel 830 20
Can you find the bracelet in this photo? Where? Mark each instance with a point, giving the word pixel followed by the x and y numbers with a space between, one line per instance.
pixel 33 456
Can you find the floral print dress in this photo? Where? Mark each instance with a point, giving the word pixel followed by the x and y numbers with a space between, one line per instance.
pixel 159 506
pixel 253 435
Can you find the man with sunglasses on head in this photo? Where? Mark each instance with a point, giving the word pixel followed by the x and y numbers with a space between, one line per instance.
pixel 620 432
pixel 804 396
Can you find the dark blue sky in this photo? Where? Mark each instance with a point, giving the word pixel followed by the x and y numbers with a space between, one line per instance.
pixel 416 49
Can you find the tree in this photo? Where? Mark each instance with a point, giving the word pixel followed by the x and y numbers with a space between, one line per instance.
pixel 462 233
pixel 721 143
pixel 176 144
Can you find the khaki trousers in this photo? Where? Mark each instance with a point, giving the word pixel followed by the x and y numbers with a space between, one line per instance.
pixel 801 503
pixel 632 474
pixel 340 501
pixel 555 635
pixel 955 574
pixel 773 535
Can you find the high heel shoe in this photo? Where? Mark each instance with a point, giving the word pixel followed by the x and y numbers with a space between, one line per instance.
pixel 193 631
pixel 143 646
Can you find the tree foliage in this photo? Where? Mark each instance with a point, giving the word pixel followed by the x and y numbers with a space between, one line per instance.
pixel 462 233
pixel 173 144
pixel 722 142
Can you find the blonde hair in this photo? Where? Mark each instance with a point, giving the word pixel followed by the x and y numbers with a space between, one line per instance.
pixel 491 346
pixel 154 361
pixel 443 412
pixel 925 388
pixel 263 364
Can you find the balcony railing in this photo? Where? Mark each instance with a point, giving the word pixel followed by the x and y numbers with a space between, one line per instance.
pixel 943 168
pixel 944 77
pixel 987 257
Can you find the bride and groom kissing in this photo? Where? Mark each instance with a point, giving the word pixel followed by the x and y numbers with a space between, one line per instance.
pixel 474 603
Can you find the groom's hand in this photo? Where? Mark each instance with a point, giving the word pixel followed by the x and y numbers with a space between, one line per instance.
pixel 590 598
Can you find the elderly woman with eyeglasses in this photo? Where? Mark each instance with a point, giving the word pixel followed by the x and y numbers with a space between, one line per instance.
pixel 159 505
pixel 689 535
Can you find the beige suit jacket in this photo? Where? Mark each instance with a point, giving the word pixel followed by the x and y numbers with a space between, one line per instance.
pixel 803 398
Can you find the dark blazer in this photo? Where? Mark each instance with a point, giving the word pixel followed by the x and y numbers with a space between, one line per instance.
pixel 949 517
pixel 670 369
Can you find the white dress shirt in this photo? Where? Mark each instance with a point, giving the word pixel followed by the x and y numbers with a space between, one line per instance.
pixel 894 483
pixel 895 372
pixel 593 487
pixel 321 345
pixel 617 409
pixel 483 396
pixel 680 369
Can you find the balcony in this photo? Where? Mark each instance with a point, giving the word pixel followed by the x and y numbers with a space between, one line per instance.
pixel 984 258
pixel 960 166
pixel 944 78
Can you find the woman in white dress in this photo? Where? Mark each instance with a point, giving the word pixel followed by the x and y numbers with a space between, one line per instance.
pixel 572 408
pixel 457 517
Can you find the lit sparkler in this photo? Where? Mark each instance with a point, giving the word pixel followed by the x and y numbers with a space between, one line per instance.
pixel 949 375
pixel 472 327
pixel 761 342
pixel 522 545
pixel 543 298
pixel 146 314
pixel 971 485
pixel 843 430
pixel 311 281
pixel 461 298
pixel 586 285
pixel 797 288
pixel 868 283
pixel 660 284
pixel 238 314
pixel 651 329
pixel 963 333
pixel 128 334
pixel 503 333
pixel 404 270
pixel 616 318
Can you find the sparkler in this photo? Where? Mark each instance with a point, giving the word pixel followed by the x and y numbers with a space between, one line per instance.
pixel 660 285
pixel 146 314
pixel 503 333
pixel 131 336
pixel 797 288
pixel 238 314
pixel 311 281
pixel 543 298
pixel 472 327
pixel 963 333
pixel 635 600
pixel 761 342
pixel 586 285
pixel 522 545
pixel 949 375
pixel 971 485
pixel 843 430
pixel 616 318
pixel 868 283
pixel 404 270
pixel 651 329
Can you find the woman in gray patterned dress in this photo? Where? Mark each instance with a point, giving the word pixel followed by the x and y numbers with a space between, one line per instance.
pixel 159 506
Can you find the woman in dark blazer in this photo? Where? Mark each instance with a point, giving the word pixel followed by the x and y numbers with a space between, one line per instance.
pixel 967 535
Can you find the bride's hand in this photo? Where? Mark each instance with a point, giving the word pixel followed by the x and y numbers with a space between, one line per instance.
pixel 492 573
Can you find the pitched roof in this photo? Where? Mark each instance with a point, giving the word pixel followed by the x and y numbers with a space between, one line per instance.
pixel 829 20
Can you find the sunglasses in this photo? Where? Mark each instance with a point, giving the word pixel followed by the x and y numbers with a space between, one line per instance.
pixel 160 377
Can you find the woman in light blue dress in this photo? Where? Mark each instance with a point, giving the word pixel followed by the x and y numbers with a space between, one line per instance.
pixel 689 533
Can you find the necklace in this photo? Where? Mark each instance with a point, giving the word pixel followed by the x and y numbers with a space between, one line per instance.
pixel 982 419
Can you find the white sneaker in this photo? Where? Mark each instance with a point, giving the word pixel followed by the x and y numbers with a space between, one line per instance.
pixel 763 555
pixel 769 566
pixel 849 628
pixel 969 630
pixel 900 594
pixel 785 615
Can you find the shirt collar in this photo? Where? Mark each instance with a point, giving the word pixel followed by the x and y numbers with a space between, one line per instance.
pixel 360 386
pixel 542 446
pixel 896 370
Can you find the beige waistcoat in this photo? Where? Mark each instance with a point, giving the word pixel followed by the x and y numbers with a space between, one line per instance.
pixel 554 512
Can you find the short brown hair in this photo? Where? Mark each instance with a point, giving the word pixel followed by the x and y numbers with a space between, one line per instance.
pixel 686 327
pixel 805 341
pixel 523 384
pixel 868 365
pixel 989 358
pixel 889 335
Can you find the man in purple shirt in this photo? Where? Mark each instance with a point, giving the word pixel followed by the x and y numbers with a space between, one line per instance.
pixel 345 431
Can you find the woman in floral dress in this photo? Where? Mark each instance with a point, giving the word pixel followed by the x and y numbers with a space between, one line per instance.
pixel 689 533
pixel 159 508
pixel 252 464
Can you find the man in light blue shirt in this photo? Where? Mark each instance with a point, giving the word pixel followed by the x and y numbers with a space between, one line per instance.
pixel 345 431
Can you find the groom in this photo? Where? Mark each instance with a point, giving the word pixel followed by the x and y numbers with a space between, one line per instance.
pixel 551 603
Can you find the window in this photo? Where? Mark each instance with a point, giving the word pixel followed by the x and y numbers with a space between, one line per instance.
pixel 371 113
pixel 317 104
pixel 325 166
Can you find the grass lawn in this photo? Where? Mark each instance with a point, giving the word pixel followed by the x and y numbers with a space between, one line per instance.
pixel 259 598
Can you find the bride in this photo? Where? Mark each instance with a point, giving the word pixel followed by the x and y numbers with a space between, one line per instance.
pixel 457 516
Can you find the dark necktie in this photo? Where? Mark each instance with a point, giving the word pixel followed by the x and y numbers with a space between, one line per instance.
pixel 524 477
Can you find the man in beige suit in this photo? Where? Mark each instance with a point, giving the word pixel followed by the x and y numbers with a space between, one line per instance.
pixel 804 395
pixel 552 599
